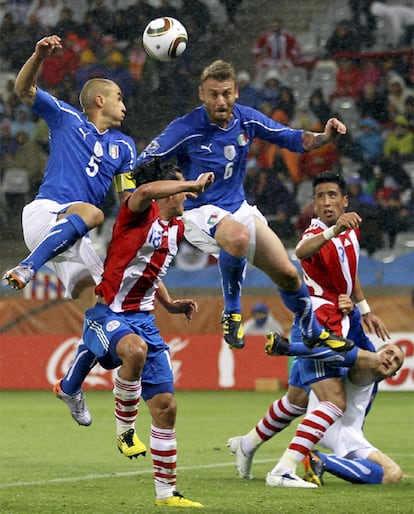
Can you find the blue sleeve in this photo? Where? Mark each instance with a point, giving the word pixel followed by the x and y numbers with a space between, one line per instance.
pixel 169 143
pixel 261 126
pixel 50 108
pixel 129 155
pixel 356 332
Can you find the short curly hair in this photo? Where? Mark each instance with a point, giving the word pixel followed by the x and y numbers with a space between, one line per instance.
pixel 218 70
pixel 154 170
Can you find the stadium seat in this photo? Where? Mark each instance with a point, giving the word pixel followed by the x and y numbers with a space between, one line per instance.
pixel 345 109
pixel 15 181
pixel 295 76
pixel 14 192
pixel 308 42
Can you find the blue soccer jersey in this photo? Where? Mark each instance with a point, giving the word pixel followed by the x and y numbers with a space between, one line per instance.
pixel 201 146
pixel 82 161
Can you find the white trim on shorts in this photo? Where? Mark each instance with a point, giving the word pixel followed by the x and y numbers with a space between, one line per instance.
pixel 201 222
pixel 71 266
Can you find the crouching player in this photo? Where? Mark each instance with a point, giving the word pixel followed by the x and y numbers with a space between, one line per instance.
pixel 120 329
pixel 354 458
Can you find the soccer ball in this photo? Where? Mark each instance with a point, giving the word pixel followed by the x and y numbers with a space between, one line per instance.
pixel 165 39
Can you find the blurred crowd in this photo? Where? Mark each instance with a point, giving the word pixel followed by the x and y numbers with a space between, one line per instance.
pixel 367 83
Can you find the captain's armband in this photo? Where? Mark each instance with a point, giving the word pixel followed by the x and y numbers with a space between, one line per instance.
pixel 124 182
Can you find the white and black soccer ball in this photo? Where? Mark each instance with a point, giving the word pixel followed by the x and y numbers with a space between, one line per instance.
pixel 165 39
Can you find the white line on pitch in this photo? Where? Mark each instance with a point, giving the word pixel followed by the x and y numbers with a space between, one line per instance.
pixel 96 476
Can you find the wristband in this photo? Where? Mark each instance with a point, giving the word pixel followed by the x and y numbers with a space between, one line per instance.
pixel 363 307
pixel 329 233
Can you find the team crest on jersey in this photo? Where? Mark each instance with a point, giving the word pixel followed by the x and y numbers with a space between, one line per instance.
pixel 230 152
pixel 98 150
pixel 155 236
pixel 212 220
pixel 152 147
pixel 242 139
pixel 112 325
pixel 113 151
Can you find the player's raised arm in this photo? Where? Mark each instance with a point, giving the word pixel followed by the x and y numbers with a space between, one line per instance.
pixel 145 193
pixel 333 128
pixel 311 244
pixel 25 85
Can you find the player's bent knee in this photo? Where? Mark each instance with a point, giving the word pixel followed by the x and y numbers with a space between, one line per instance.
pixel 97 218
pixel 289 279
pixel 163 409
pixel 132 350
pixel 233 237
pixel 239 243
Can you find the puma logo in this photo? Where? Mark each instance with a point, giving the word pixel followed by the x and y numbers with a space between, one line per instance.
pixel 206 147
pixel 83 132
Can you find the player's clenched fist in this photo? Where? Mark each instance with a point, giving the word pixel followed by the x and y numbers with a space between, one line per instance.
pixel 48 45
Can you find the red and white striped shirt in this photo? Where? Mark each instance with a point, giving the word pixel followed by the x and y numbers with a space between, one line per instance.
pixel 330 272
pixel 139 254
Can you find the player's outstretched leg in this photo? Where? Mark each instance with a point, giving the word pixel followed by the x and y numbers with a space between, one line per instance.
pixel 130 445
pixel 277 345
pixel 328 338
pixel 356 471
pixel 177 500
pixel 288 480
pixel 76 403
pixel 314 469
pixel 243 462
pixel 60 237
pixel 232 270
pixel 69 388
pixel 164 456
pixel 299 302
pixel 127 395
pixel 232 327
pixel 19 276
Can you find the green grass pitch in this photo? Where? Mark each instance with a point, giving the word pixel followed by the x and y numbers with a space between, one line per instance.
pixel 48 464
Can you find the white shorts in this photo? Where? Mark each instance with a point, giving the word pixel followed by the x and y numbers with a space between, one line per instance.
pixel 347 441
pixel 345 438
pixel 71 266
pixel 200 224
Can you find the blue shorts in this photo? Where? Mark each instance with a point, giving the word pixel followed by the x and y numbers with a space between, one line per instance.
pixel 294 376
pixel 103 328
pixel 308 371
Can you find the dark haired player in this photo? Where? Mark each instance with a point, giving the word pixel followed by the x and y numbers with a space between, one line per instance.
pixel 329 253
pixel 120 330
pixel 216 136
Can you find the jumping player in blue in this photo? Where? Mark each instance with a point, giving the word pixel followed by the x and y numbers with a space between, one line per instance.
pixel 87 152
pixel 216 136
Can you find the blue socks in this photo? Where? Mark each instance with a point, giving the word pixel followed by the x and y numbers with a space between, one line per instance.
pixel 357 471
pixel 84 361
pixel 61 236
pixel 299 303
pixel 232 270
